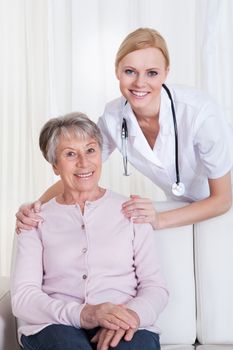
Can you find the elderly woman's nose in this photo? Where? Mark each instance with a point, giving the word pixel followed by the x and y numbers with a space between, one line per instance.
pixel 81 160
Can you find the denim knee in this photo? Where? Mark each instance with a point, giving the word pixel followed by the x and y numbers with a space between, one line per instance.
pixel 57 337
pixel 142 339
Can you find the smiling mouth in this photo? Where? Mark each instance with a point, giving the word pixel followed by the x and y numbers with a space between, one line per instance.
pixel 84 175
pixel 139 93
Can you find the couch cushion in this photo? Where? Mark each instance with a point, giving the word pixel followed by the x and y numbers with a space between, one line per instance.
pixel 178 320
pixel 214 278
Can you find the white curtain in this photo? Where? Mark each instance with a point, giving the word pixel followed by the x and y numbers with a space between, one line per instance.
pixel 23 109
pixel 58 56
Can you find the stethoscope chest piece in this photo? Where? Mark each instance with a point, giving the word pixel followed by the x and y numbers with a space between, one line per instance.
pixel 178 189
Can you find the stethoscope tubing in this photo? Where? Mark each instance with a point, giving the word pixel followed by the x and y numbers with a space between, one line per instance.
pixel 175 133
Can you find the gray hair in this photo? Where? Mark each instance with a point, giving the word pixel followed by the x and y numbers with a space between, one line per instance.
pixel 76 122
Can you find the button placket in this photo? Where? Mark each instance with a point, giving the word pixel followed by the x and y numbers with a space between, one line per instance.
pixel 84 251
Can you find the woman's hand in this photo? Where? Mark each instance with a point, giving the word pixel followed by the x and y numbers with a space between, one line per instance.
pixel 107 315
pixel 141 210
pixel 27 218
pixel 107 337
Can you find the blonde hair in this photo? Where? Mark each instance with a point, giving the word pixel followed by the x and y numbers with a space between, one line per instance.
pixel 142 38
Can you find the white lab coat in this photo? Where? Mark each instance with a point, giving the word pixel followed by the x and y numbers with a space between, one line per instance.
pixel 204 137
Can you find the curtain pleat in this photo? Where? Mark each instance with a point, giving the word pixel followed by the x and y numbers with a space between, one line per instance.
pixel 23 110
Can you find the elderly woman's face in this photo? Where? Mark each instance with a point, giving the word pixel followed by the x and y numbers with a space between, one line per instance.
pixel 78 163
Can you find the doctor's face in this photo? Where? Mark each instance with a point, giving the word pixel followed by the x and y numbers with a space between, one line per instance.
pixel 141 74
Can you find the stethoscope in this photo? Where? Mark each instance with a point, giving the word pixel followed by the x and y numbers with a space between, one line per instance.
pixel 178 188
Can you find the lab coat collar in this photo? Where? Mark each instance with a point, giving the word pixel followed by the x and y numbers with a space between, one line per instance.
pixel 165 116
pixel 135 134
pixel 128 114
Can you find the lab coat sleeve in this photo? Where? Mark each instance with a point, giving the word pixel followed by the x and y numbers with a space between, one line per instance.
pixel 29 302
pixel 109 144
pixel 213 141
pixel 152 293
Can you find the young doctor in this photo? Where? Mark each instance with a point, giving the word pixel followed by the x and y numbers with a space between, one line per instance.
pixel 175 136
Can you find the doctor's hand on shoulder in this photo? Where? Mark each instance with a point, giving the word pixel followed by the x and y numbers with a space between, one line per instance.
pixel 141 210
pixel 28 217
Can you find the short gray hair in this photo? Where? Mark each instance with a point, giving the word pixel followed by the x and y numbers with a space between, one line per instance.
pixel 75 122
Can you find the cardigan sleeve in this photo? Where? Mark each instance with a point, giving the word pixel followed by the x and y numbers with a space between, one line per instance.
pixel 152 293
pixel 26 287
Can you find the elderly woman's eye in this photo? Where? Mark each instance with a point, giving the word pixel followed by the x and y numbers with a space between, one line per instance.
pixel 91 150
pixel 70 154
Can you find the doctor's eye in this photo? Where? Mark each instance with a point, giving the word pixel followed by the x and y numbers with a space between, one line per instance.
pixel 152 73
pixel 129 72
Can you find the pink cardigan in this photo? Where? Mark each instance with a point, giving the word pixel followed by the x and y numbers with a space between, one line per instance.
pixel 74 259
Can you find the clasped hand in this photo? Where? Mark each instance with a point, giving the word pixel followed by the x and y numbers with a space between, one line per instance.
pixel 116 322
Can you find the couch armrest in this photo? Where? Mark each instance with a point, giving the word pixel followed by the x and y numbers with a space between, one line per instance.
pixel 8 336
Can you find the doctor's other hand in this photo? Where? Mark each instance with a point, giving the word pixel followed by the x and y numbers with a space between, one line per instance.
pixel 141 210
pixel 27 218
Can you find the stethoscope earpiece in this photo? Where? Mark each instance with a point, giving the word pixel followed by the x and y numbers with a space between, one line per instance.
pixel 178 188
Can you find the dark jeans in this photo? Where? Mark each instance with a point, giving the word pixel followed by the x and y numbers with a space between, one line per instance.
pixel 61 337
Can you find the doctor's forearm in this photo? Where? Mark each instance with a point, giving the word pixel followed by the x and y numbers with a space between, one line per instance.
pixel 52 192
pixel 217 203
pixel 193 213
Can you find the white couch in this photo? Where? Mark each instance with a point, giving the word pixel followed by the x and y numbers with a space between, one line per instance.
pixel 198 265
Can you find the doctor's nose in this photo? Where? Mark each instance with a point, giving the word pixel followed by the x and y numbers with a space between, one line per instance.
pixel 140 80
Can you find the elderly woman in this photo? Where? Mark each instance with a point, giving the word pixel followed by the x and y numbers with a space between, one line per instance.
pixel 87 274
